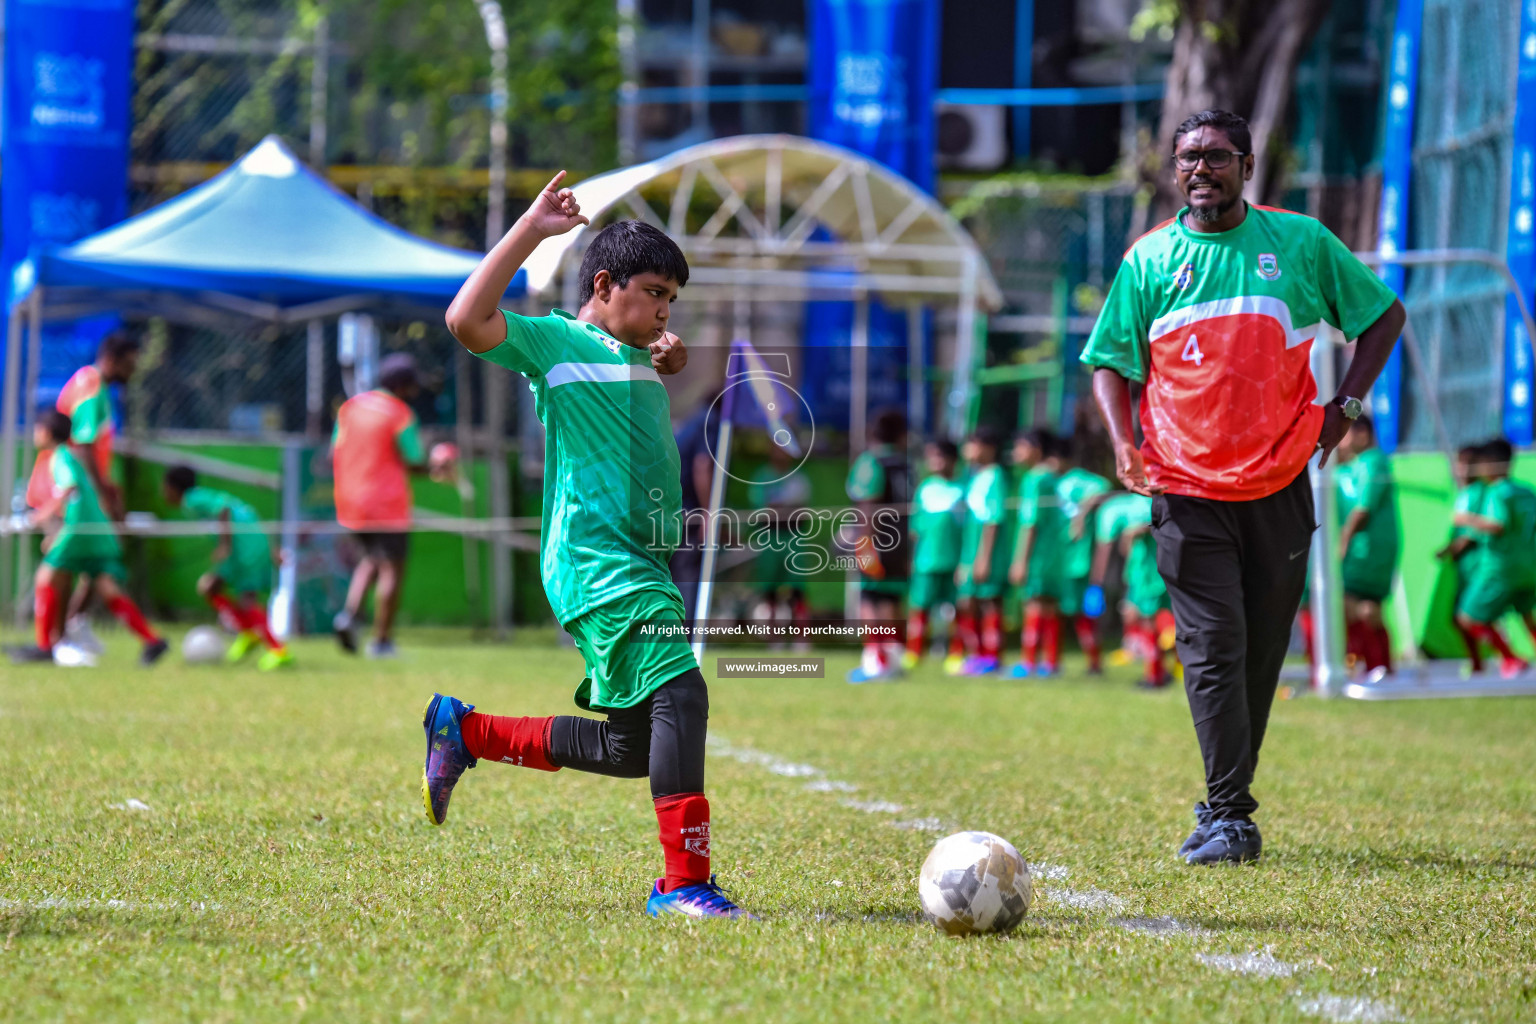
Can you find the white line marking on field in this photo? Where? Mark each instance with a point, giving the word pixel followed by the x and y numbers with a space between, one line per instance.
pixel 1347 1009
pixel 874 806
pixel 1255 964
pixel 1084 899
pixel 58 903
pixel 922 825
pixel 1048 872
pixel 830 786
pixel 1162 927
pixel 131 804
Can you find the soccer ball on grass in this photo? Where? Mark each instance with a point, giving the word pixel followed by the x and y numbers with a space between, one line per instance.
pixel 203 645
pixel 975 882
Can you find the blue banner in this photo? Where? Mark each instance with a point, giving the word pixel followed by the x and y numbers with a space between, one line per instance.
pixel 873 71
pixel 1396 187
pixel 1520 251
pixel 68 75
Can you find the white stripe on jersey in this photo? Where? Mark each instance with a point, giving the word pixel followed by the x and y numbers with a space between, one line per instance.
pixel 1261 305
pixel 598 373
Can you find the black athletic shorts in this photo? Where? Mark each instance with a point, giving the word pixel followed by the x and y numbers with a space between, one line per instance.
pixel 383 545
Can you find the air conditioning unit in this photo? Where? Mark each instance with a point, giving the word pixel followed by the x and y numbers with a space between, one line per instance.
pixel 972 138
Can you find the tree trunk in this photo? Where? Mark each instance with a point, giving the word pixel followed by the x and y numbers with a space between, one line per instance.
pixel 1237 55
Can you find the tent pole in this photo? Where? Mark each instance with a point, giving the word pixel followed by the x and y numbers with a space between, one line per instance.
pixel 959 399
pixel 8 448
pixel 500 503
pixel 917 381
pixel 464 437
pixel 314 380
pixel 858 423
pixel 28 420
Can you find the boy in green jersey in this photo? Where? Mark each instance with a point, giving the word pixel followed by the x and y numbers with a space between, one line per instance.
pixel 936 530
pixel 879 482
pixel 986 546
pixel 1469 494
pixel 84 544
pixel 1078 491
pixel 1036 562
pixel 242 566
pixel 1500 573
pixel 612 517
pixel 1124 520
pixel 1369 538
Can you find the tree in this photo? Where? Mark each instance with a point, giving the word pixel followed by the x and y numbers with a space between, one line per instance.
pixel 1239 55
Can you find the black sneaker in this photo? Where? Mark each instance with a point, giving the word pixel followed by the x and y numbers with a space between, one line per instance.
pixel 1229 842
pixel 1202 826
pixel 29 654
pixel 344 628
pixel 153 652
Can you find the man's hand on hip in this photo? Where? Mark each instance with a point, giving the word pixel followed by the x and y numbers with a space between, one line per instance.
pixel 1132 470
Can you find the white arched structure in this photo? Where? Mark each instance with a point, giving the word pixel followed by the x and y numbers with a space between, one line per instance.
pixel 746 210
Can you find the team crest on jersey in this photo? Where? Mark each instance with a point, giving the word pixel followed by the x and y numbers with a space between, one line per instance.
pixel 1184 276
pixel 612 343
pixel 1269 266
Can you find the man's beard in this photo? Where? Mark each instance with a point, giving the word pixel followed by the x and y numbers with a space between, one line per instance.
pixel 1212 214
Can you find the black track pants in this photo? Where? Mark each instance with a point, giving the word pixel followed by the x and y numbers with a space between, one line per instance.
pixel 661 737
pixel 1235 571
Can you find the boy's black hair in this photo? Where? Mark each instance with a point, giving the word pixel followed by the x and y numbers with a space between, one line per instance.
pixel 889 427
pixel 989 436
pixel 117 343
pixel 629 247
pixel 398 372
pixel 181 479
pixel 945 447
pixel 1364 423
pixel 1497 450
pixel 1066 447
pixel 1042 439
pixel 1236 128
pixel 56 423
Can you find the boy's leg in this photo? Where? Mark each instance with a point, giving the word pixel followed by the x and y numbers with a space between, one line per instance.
pixel 128 613
pixel 387 599
pixel 679 720
pixel 345 622
pixel 1088 639
pixel 1050 627
pixel 1031 635
pixel 48 605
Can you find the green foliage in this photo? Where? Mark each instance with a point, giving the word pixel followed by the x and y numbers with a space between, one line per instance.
pixel 283 868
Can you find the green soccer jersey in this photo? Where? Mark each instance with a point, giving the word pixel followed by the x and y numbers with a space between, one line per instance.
pixel 986 500
pixel 1469 499
pixel 1219 326
pixel 207 503
pixel 866 477
pixel 1075 487
pixel 1523 500
pixel 1506 555
pixel 936 514
pixel 612 491
pixel 1365 484
pixel 1040 510
pixel 82 509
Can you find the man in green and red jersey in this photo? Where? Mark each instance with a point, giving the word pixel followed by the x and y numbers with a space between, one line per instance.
pixel 85 544
pixel 1215 313
pixel 1035 562
pixel 612 518
pixel 880 482
pixel 1369 539
pixel 1077 489
pixel 375 447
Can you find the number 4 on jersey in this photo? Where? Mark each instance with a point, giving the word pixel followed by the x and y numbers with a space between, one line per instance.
pixel 1192 353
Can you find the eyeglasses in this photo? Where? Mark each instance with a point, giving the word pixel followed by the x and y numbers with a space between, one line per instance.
pixel 1215 159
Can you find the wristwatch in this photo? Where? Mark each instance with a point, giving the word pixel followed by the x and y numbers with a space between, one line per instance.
pixel 1350 407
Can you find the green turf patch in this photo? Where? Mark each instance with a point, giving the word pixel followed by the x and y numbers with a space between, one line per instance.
pixel 214 843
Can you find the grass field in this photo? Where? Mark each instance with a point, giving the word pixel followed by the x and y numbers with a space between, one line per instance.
pixel 275 863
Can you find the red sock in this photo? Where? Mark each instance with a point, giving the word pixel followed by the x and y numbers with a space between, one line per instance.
pixel 1495 639
pixel 991 633
pixel 684 827
pixel 48 606
pixel 1051 628
pixel 1088 640
pixel 254 618
pixel 1474 651
pixel 228 613
pixel 876 652
pixel 1305 618
pixel 1029 638
pixel 962 639
pixel 917 632
pixel 510 740
pixel 128 613
pixel 1357 642
pixel 1156 671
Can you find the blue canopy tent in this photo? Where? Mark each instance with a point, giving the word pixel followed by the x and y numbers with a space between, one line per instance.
pixel 266 241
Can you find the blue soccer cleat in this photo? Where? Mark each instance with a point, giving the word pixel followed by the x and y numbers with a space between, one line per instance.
pixel 702 899
pixel 1048 671
pixel 1228 842
pixel 446 757
pixel 979 665
pixel 1023 670
pixel 1203 819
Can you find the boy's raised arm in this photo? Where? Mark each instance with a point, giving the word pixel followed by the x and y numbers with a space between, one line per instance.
pixel 474 316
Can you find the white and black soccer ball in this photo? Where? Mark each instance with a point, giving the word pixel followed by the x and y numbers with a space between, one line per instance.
pixel 203 645
pixel 973 883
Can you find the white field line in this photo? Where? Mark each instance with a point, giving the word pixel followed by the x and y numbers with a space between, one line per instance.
pixel 1254 964
pixel 874 806
pixel 131 804
pixel 1347 1009
pixel 1085 899
pixel 1162 927
pixel 58 903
